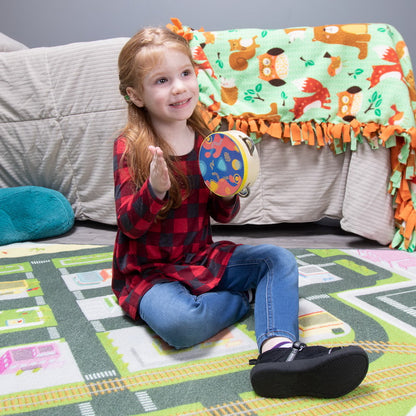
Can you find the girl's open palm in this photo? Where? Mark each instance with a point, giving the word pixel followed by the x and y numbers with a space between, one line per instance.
pixel 159 175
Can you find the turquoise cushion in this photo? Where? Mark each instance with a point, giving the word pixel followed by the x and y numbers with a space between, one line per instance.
pixel 32 212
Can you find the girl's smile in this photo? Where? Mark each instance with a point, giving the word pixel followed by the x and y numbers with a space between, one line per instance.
pixel 181 103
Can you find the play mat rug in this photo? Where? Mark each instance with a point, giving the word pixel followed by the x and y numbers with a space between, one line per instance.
pixel 67 349
pixel 333 85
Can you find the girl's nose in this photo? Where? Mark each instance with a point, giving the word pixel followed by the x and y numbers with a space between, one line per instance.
pixel 178 86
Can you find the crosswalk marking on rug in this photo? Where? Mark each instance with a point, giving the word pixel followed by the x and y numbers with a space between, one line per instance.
pixel 40 300
pixel 86 409
pixel 315 297
pixel 101 374
pixel 53 333
pixel 98 326
pixel 146 401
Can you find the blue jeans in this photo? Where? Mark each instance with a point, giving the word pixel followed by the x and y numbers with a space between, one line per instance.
pixel 183 319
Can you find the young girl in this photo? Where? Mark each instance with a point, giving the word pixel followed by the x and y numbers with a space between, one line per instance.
pixel 167 270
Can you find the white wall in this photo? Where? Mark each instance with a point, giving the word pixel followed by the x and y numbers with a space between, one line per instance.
pixel 54 22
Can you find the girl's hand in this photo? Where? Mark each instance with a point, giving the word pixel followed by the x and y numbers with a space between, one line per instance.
pixel 159 174
pixel 228 198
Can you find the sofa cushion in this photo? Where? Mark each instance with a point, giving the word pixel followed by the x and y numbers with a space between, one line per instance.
pixel 9 45
pixel 60 112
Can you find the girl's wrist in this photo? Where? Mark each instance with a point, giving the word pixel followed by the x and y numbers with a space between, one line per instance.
pixel 156 194
pixel 160 195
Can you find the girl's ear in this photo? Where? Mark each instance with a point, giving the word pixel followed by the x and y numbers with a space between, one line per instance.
pixel 134 97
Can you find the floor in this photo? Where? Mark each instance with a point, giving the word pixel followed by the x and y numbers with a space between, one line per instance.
pixel 324 234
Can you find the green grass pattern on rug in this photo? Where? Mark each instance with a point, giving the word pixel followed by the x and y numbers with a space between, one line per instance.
pixel 67 349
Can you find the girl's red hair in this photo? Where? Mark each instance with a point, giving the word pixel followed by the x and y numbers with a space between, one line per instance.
pixel 138 56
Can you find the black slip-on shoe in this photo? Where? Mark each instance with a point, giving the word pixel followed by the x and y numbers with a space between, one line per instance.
pixel 308 371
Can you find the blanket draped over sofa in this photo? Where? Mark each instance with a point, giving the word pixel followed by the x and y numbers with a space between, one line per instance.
pixel 333 86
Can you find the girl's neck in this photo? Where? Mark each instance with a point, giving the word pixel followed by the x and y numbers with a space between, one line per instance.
pixel 180 138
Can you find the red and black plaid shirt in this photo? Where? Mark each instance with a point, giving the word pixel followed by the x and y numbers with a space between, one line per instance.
pixel 179 247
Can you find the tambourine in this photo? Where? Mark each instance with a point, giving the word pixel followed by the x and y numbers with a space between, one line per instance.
pixel 229 163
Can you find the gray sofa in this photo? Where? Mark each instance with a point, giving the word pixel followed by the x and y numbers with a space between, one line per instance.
pixel 60 111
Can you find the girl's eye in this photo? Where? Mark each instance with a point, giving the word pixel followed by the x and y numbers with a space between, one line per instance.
pixel 161 80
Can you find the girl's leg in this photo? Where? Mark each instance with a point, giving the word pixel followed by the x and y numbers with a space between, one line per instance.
pixel 183 320
pixel 299 370
pixel 274 272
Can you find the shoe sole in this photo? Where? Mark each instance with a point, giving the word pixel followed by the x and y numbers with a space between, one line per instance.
pixel 327 376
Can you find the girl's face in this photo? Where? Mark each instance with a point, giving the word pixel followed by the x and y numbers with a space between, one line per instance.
pixel 170 89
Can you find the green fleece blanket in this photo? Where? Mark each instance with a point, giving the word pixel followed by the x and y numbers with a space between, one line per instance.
pixel 335 85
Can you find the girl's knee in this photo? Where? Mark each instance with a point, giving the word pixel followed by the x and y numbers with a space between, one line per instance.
pixel 181 333
pixel 281 256
pixel 198 322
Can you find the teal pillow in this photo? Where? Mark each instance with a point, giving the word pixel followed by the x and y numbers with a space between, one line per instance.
pixel 31 213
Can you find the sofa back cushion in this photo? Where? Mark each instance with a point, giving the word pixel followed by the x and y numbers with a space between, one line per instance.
pixel 60 111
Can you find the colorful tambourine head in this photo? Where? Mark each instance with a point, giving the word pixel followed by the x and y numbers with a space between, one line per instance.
pixel 229 163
